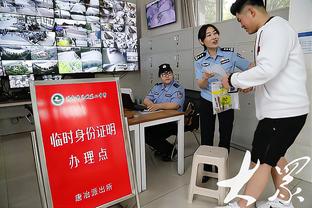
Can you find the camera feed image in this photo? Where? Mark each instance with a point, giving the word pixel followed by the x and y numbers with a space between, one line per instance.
pixel 120 40
pixel 39 23
pixel 69 60
pixel 107 27
pixel 45 67
pixel 106 10
pixel 92 13
pixel 132 55
pixel 12 22
pixel 20 81
pixel 108 39
pixel 7 6
pixel 15 52
pixel 119 17
pixel 71 33
pixel 113 12
pixel 160 12
pixel 114 59
pixel 27 38
pixel 50 77
pixel 94 34
pixel 43 53
pixel 130 10
pixel 91 59
pixel 118 28
pixel 131 36
pixel 25 7
pixel 44 8
pixel 30 7
pixel 133 66
pixel 94 3
pixel 75 10
pixel 132 59
pixel 17 67
pixel 1 70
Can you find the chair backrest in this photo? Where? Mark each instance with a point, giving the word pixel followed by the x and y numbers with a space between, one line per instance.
pixel 191 109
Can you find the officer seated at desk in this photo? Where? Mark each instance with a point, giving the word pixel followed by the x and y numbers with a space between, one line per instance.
pixel 167 95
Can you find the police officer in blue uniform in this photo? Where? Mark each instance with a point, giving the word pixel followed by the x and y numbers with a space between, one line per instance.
pixel 167 95
pixel 209 66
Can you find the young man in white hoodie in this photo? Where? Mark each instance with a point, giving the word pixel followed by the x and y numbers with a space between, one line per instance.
pixel 282 103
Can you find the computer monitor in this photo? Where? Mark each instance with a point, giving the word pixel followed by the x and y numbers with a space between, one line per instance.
pixel 159 13
pixel 127 91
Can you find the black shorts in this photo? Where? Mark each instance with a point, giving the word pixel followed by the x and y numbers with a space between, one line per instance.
pixel 273 137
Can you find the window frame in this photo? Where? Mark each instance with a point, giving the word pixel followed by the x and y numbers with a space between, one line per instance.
pixel 219 11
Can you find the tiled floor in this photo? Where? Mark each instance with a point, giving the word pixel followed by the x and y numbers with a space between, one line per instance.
pixel 166 189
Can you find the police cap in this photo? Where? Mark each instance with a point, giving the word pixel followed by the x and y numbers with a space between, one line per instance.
pixel 164 68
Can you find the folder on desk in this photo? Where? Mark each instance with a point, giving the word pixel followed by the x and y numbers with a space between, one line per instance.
pixel 129 104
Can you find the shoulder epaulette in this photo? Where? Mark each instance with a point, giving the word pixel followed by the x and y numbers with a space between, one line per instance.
pixel 199 56
pixel 239 55
pixel 176 85
pixel 227 49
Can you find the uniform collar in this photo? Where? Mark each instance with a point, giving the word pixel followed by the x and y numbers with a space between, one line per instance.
pixel 219 53
pixel 167 87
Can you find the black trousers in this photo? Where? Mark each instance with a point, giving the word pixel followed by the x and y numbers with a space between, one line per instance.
pixel 156 137
pixel 207 126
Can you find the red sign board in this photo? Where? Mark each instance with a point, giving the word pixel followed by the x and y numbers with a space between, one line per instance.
pixel 79 126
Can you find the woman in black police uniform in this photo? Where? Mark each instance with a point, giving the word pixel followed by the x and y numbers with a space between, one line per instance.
pixel 211 58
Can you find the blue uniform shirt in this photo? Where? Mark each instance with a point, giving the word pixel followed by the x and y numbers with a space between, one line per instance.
pixel 226 58
pixel 172 93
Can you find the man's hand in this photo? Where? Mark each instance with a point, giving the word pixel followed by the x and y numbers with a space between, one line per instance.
pixel 225 82
pixel 207 75
pixel 153 107
pixel 247 90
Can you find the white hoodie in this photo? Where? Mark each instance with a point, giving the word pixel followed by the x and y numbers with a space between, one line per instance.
pixel 279 75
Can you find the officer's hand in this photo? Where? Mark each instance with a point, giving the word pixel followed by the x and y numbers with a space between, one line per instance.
pixel 153 107
pixel 225 82
pixel 207 74
pixel 247 90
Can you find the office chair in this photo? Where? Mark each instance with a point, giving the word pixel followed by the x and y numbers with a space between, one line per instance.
pixel 191 116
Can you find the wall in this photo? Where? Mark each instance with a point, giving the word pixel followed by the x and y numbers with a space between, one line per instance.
pixel 300 19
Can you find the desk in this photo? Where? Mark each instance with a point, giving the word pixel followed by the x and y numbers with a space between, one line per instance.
pixel 138 122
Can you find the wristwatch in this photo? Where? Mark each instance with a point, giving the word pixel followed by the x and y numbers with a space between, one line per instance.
pixel 229 80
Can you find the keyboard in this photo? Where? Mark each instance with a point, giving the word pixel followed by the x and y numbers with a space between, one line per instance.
pixel 139 107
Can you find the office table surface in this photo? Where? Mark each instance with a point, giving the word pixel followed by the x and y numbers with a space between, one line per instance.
pixel 136 117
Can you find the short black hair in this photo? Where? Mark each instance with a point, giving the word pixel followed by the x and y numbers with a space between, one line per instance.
pixel 238 5
pixel 202 32
pixel 164 68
